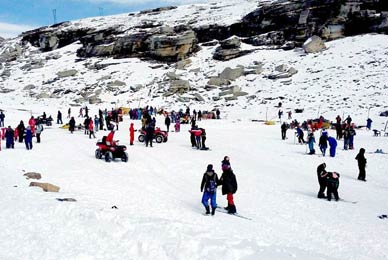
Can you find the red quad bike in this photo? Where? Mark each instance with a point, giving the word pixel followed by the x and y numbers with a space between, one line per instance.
pixel 159 136
pixel 111 152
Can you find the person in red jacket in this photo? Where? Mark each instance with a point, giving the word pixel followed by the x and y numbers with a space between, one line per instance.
pixel 91 129
pixel 109 138
pixel 131 134
pixel 197 134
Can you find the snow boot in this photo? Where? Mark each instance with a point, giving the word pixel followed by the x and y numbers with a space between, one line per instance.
pixel 207 210
pixel 232 209
pixel 227 207
pixel 213 211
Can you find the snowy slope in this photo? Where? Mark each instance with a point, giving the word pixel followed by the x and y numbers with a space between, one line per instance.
pixel 159 214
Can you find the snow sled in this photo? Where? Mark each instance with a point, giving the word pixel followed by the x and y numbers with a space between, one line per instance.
pixel 111 152
pixel 159 136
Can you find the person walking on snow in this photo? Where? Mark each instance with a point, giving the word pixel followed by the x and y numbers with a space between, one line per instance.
pixel 229 185
pixel 9 138
pixel 311 141
pixel 361 164
pixel 59 118
pixel 332 182
pixel 209 187
pixel 131 134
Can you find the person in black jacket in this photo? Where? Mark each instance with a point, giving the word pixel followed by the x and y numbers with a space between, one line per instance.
pixel 321 171
pixel 284 130
pixel 209 187
pixel 229 186
pixel 9 135
pixel 72 125
pixel 167 122
pixel 332 180
pixel 361 164
pixel 21 128
pixel 323 143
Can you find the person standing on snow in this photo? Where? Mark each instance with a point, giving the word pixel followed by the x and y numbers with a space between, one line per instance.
pixel 131 134
pixel 323 142
pixel 28 138
pixel 333 145
pixel 332 182
pixel 21 128
pixel 72 125
pixel 369 123
pixel 2 116
pixel 59 118
pixel 9 138
pixel 284 130
pixel 311 141
pixel 361 164
pixel 321 171
pixel 300 134
pixel 38 131
pixel 167 122
pixel 229 185
pixel 91 129
pixel 209 187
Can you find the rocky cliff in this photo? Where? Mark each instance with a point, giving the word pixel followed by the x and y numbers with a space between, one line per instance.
pixel 149 34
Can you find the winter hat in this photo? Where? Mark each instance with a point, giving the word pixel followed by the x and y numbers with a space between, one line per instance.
pixel 225 166
pixel 209 168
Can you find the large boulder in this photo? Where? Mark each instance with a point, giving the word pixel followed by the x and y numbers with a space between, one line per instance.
pixel 232 74
pixel 48 187
pixel 314 44
pixel 33 175
pixel 231 43
pixel 67 73
pixel 179 86
pixel 217 81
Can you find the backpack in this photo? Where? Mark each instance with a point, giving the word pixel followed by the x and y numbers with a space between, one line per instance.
pixel 211 186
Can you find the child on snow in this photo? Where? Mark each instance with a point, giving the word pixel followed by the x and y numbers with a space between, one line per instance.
pixel 332 182
pixel 361 164
pixel 209 187
pixel 311 141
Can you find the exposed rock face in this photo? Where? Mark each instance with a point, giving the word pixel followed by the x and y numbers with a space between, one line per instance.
pixel 229 49
pixel 11 53
pixel 313 44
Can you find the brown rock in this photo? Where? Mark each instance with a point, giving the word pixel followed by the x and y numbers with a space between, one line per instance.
pixel 45 186
pixel 33 175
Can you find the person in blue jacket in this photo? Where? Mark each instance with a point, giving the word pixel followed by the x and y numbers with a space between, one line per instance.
pixel 333 145
pixel 28 138
pixel 311 141
pixel 369 123
pixel 9 138
pixel 209 187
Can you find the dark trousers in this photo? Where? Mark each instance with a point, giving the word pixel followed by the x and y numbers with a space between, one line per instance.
pixel 168 127
pixel 362 173
pixel 331 190
pixel 322 187
pixel 28 145
pixel 203 142
pixel 38 137
pixel 283 135
pixel 148 140
pixel 192 139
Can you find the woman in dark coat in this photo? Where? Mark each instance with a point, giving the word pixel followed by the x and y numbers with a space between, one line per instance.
pixel 71 125
pixel 21 129
pixel 229 186
pixel 361 164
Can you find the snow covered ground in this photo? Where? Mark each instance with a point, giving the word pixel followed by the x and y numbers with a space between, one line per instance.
pixel 157 194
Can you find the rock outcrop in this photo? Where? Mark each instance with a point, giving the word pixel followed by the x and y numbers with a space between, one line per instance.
pixel 48 187
pixel 313 44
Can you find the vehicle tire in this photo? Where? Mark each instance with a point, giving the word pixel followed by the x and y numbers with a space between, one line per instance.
pixel 141 138
pixel 124 158
pixel 159 139
pixel 108 156
pixel 98 154
pixel 165 139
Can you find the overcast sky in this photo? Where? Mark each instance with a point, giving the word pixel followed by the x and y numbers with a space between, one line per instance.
pixel 17 16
